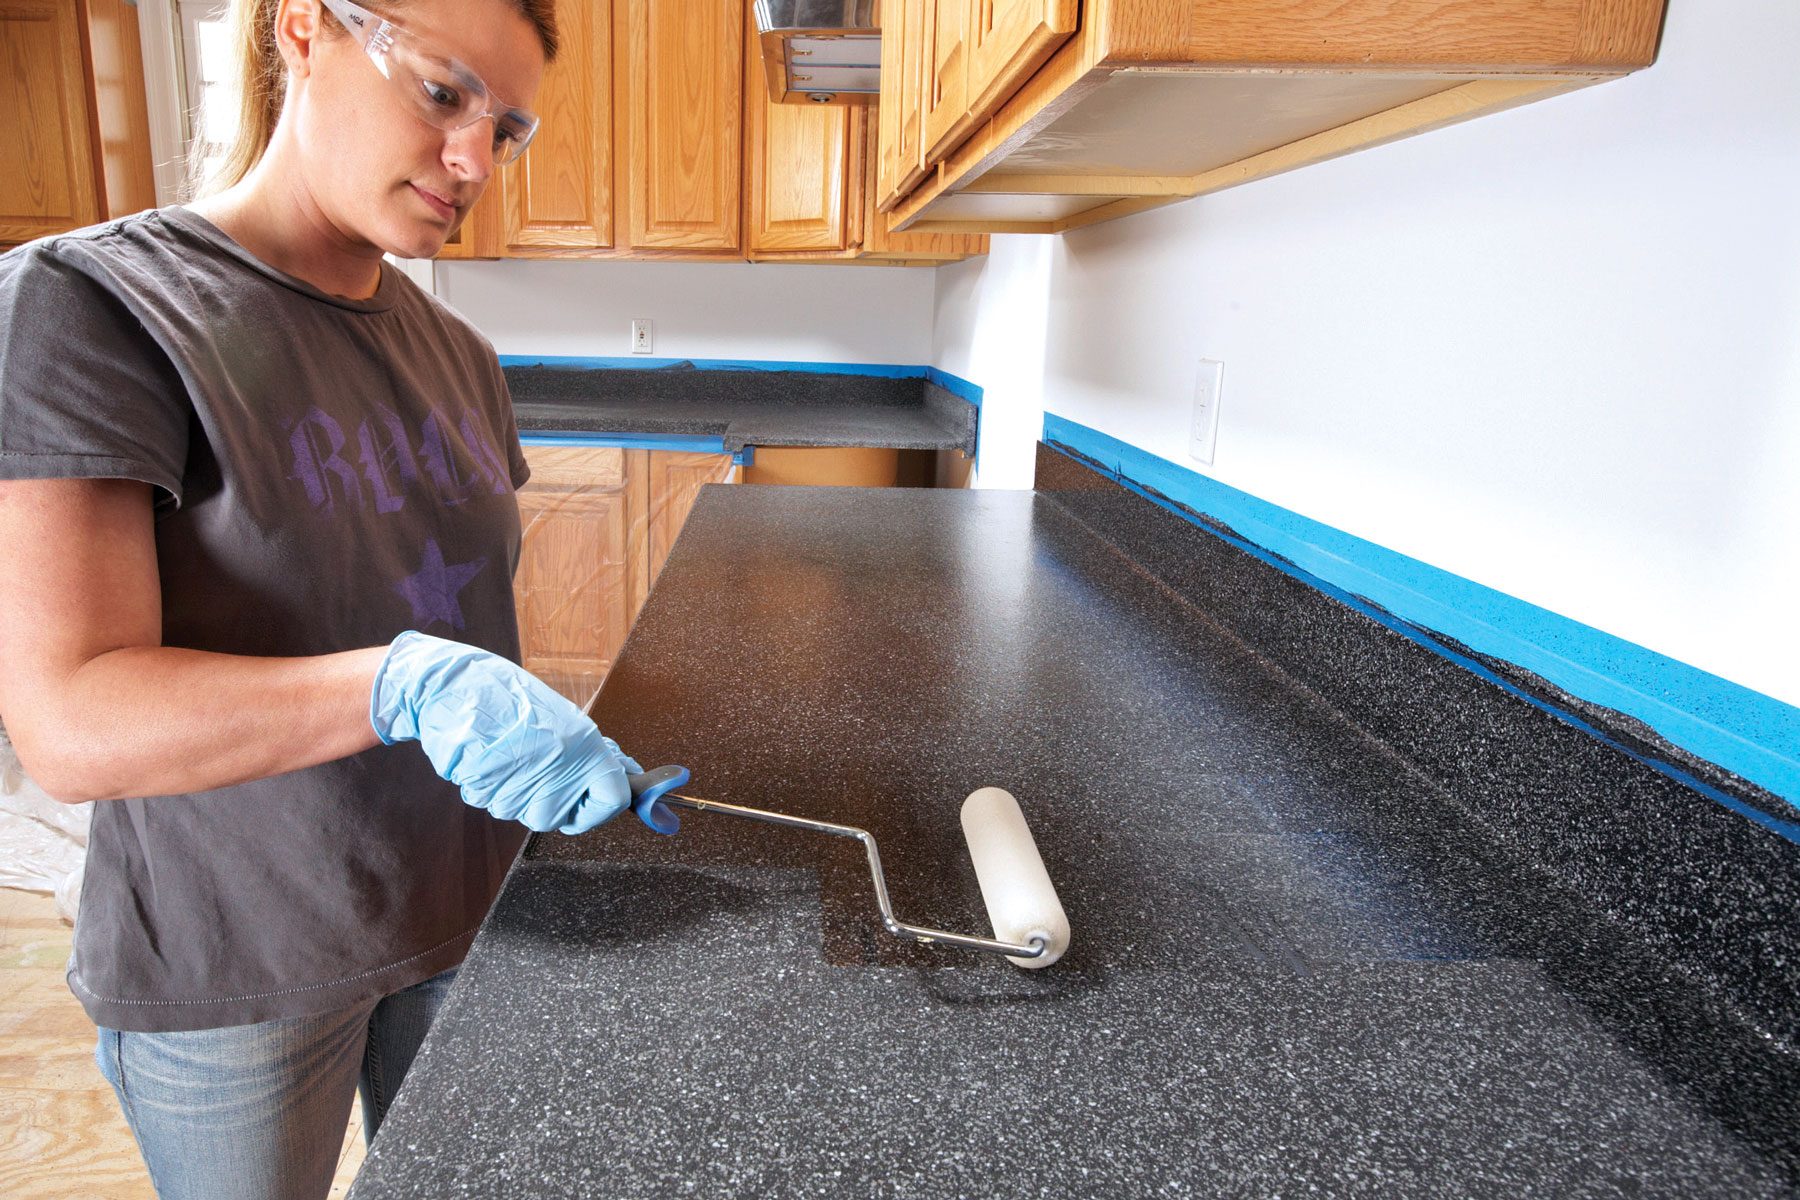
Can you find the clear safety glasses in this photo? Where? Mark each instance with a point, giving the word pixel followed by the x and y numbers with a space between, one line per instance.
pixel 437 88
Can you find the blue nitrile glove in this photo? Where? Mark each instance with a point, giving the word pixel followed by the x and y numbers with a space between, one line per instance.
pixel 512 744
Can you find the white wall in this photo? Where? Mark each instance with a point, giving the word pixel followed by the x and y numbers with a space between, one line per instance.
pixel 989 327
pixel 772 311
pixel 1555 350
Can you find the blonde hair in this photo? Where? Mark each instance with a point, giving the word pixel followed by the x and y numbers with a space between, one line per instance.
pixel 262 84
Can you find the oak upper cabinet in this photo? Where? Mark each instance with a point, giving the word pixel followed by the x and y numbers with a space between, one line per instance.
pixel 812 187
pixel 483 231
pixel 660 141
pixel 1007 41
pixel 803 170
pixel 901 162
pixel 980 52
pixel 74 131
pixel 560 194
pixel 680 98
pixel 1046 115
pixel 582 564
pixel 879 244
pixel 48 185
pixel 944 104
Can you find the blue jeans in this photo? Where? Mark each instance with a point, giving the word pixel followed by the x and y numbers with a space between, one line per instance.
pixel 257 1112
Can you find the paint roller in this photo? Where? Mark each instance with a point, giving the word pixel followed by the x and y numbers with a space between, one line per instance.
pixel 1029 926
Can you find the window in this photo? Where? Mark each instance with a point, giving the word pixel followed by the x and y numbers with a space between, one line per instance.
pixel 190 77
pixel 210 78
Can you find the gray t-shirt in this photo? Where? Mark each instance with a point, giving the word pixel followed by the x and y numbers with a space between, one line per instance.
pixel 327 473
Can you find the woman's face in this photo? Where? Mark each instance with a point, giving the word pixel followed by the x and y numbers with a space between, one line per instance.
pixel 376 171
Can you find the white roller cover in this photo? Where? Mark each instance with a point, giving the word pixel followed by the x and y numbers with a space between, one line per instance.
pixel 1021 902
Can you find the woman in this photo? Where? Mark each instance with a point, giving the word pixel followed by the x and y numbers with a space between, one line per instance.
pixel 257 526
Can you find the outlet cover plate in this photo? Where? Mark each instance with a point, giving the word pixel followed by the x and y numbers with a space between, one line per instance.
pixel 1203 423
pixel 642 335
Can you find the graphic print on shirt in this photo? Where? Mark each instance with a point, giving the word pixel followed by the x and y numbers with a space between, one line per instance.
pixel 384 466
pixel 388 465
pixel 432 590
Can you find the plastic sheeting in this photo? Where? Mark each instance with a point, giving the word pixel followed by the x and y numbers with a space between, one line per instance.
pixel 43 842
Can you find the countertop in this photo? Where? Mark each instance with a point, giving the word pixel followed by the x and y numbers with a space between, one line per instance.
pixel 1295 968
pixel 745 407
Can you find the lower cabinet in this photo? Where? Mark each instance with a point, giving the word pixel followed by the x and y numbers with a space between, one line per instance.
pixel 598 525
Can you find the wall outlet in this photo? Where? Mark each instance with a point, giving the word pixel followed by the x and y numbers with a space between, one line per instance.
pixel 641 335
pixel 1203 427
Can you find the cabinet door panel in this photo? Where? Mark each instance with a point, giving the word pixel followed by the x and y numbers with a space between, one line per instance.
pixel 47 184
pixel 800 160
pixel 679 102
pixel 676 478
pixel 887 114
pixel 126 175
pixel 482 233
pixel 902 161
pixel 1008 40
pixel 561 193
pixel 460 244
pixel 945 104
pixel 581 576
pixel 878 243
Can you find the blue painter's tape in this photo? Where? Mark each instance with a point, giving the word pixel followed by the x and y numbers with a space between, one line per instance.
pixel 644 362
pixel 697 443
pixel 955 385
pixel 693 443
pixel 1752 735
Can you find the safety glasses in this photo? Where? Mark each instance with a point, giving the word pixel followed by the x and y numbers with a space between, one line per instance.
pixel 438 89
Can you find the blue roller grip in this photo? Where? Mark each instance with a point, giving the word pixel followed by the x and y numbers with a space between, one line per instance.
pixel 647 787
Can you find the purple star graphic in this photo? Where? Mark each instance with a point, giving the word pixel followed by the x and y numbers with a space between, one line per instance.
pixel 432 591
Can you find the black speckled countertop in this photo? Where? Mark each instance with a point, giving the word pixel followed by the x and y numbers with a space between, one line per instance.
pixel 744 407
pixel 1299 965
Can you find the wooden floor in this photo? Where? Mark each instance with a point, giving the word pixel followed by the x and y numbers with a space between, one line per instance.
pixel 61 1134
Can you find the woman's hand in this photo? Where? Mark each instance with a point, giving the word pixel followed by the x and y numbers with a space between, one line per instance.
pixel 513 745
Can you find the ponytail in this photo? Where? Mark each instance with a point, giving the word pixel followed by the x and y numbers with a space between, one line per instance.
pixel 262 85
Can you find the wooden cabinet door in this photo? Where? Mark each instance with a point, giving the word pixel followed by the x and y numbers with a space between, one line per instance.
pixel 878 243
pixel 945 102
pixel 802 166
pixel 481 235
pixel 560 195
pixel 1007 41
pixel 902 161
pixel 460 244
pixel 888 105
pixel 582 574
pixel 125 174
pixel 47 183
pixel 676 478
pixel 679 100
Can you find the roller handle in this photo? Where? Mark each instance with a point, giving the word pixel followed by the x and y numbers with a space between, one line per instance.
pixel 1030 927
pixel 649 787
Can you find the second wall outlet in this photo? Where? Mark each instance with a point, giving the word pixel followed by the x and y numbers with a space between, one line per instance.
pixel 642 335
pixel 1203 428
